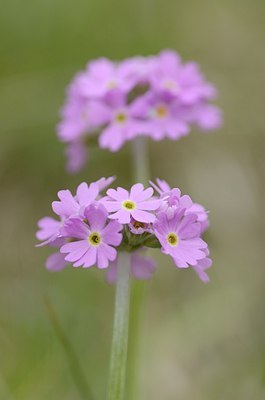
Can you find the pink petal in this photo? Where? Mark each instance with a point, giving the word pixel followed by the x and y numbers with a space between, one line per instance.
pixel 112 138
pixel 111 233
pixel 77 251
pixel 88 259
pixel 122 216
pixel 136 191
pixel 86 195
pixel 56 262
pixel 118 195
pixel 105 253
pixel 96 217
pixel 111 205
pixel 75 228
pixel 149 205
pixel 67 206
pixel 143 216
pixel 139 194
pixel 75 247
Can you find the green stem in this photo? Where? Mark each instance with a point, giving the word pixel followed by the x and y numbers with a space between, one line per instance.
pixel 118 359
pixel 140 160
pixel 141 174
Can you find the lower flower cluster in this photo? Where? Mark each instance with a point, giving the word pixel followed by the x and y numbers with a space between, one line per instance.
pixel 91 228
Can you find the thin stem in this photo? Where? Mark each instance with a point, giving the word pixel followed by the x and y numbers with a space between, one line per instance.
pixel 140 160
pixel 141 173
pixel 120 330
pixel 73 360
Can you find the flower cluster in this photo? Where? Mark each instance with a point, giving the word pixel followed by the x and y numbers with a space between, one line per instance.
pixel 91 229
pixel 112 103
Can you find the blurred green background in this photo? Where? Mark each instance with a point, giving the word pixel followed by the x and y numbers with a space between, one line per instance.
pixel 197 341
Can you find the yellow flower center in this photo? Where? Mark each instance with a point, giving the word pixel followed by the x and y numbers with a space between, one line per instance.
pixel 94 239
pixel 121 117
pixel 161 111
pixel 172 239
pixel 128 205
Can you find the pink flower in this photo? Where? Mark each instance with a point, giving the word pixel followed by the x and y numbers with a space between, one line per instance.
pixel 118 120
pixel 142 267
pixel 94 240
pixel 69 205
pixel 172 200
pixel 162 118
pixel 173 78
pixel 180 238
pixel 157 96
pixel 137 204
pixel 103 76
pixel 90 228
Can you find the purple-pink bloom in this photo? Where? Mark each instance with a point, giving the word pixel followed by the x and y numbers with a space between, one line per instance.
pixel 172 200
pixel 93 241
pixel 163 118
pixel 104 76
pixel 137 204
pixel 90 228
pixel 70 205
pixel 141 267
pixel 118 120
pixel 183 81
pixel 158 96
pixel 180 238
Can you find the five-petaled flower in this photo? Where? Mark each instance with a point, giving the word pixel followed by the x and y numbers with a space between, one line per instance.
pixel 180 238
pixel 137 204
pixel 93 238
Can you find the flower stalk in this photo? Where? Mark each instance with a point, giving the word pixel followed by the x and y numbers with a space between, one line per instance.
pixel 117 372
pixel 140 160
pixel 141 173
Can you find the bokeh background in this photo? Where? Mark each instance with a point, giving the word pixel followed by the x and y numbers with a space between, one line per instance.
pixel 196 341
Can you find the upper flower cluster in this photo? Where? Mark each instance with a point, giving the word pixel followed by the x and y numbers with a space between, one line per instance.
pixel 156 96
pixel 91 228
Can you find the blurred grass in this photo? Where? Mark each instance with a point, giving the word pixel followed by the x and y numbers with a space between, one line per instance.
pixel 202 342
